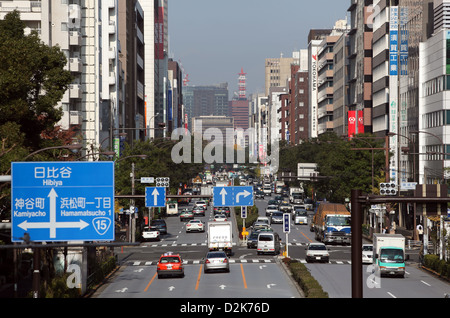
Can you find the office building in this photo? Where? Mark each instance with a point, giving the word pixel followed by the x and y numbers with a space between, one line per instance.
pixel 360 66
pixel 209 100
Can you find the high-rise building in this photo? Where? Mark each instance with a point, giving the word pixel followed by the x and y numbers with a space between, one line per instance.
pixel 205 101
pixel 278 70
pixel 93 99
pixel 360 65
pixel 156 65
pixel 325 77
pixel 131 57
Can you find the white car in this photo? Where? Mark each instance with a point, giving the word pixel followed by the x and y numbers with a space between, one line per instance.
pixel 367 253
pixel 150 233
pixel 201 203
pixel 220 217
pixel 317 252
pixel 270 209
pixel 195 225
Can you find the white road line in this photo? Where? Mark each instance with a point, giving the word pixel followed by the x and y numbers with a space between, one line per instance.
pixel 390 294
pixel 425 283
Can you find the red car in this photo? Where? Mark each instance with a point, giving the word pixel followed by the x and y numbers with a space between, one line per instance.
pixel 170 264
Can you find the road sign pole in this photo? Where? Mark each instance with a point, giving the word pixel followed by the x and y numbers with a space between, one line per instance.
pixel 36 272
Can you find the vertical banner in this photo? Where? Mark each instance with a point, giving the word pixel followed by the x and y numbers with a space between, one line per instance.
pixel 360 122
pixel 159 34
pixel 393 92
pixel 351 123
pixel 447 63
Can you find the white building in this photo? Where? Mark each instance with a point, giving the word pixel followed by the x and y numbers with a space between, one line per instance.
pixel 434 108
pixel 87 34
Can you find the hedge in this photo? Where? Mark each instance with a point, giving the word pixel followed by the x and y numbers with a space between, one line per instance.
pixel 440 267
pixel 307 283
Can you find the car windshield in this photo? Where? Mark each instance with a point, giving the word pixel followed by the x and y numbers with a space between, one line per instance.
pixel 277 214
pixel 265 238
pixel 391 255
pixel 317 247
pixel 169 259
pixel 216 255
pixel 367 248
pixel 301 213
pixel 338 221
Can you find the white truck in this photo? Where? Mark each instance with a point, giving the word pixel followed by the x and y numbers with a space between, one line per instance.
pixel 279 186
pixel 389 254
pixel 220 236
pixel 296 195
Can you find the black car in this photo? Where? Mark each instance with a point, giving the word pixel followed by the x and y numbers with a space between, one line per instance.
pixel 259 195
pixel 160 224
pixel 252 239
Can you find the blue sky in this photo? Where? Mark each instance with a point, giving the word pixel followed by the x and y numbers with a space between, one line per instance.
pixel 213 39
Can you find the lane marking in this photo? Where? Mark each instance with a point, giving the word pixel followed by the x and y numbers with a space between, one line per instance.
pixel 243 276
pixel 150 282
pixel 199 275
pixel 306 237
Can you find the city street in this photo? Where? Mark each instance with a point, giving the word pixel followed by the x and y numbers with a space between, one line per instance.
pixel 252 275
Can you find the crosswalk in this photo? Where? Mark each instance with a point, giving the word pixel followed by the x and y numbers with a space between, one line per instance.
pixel 175 244
pixel 232 261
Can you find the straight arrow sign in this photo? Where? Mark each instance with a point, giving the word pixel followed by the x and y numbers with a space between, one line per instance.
pixel 223 193
pixel 155 197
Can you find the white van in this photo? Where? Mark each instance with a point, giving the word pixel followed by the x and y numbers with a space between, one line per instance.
pixel 268 242
pixel 172 208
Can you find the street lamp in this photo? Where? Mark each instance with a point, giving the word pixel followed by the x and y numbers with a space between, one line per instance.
pixel 73 147
pixel 390 134
pixel 442 148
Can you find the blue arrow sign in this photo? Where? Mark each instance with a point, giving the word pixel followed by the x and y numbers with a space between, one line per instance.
pixel 233 196
pixel 62 201
pixel 155 197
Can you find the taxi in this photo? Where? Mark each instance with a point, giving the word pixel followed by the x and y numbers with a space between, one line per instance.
pixel 170 264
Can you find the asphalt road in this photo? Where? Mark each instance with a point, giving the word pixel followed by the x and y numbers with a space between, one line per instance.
pixel 252 275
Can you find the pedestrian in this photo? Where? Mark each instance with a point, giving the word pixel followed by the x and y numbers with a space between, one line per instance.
pixel 420 231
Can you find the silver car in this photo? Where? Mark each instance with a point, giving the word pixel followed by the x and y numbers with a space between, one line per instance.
pixel 277 217
pixel 216 260
pixel 317 252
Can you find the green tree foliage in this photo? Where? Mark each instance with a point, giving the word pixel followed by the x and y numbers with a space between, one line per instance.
pixel 340 168
pixel 32 81
pixel 157 164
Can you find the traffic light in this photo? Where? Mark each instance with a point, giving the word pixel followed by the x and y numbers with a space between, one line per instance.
pixel 162 182
pixel 388 188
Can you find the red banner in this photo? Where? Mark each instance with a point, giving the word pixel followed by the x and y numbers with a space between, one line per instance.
pixel 360 122
pixel 351 123
pixel 159 34
pixel 355 118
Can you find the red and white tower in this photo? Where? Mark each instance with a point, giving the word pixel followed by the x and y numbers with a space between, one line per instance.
pixel 242 85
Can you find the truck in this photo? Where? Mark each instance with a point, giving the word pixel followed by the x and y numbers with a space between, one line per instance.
pixel 279 185
pixel 389 254
pixel 296 195
pixel 332 223
pixel 219 236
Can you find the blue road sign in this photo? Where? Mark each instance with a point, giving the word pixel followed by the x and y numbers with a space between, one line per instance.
pixel 243 212
pixel 233 196
pixel 62 201
pixel 286 222
pixel 155 197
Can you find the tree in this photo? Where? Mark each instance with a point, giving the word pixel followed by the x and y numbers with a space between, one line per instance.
pixel 32 81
